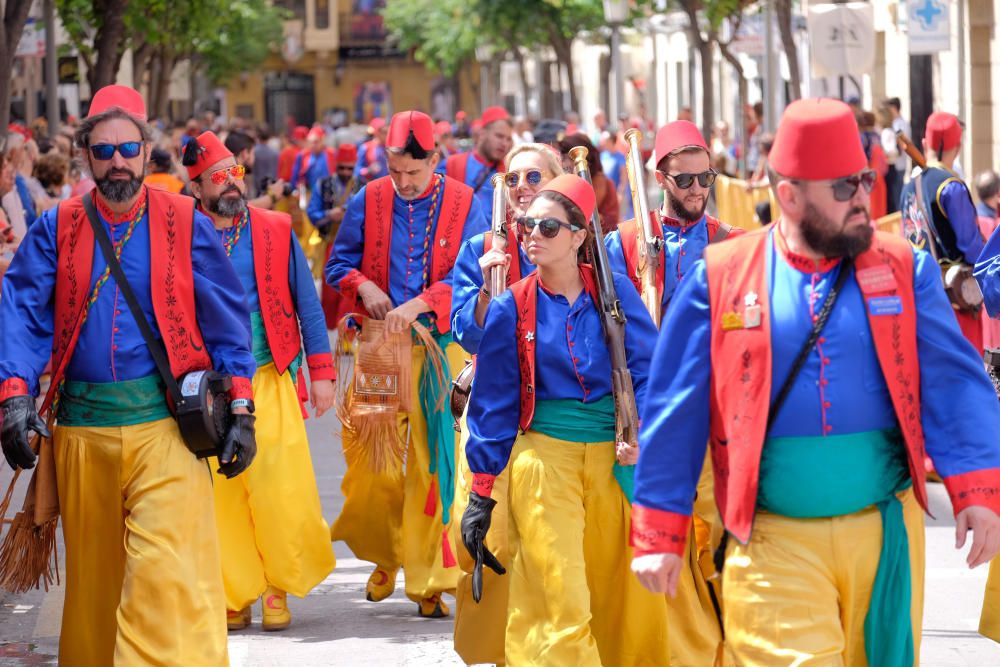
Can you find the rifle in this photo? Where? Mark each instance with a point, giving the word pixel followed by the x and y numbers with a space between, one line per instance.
pixel 612 319
pixel 911 150
pixel 498 225
pixel 650 243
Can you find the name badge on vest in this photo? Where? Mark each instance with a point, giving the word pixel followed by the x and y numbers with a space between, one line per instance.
pixel 751 314
pixel 876 279
pixel 885 305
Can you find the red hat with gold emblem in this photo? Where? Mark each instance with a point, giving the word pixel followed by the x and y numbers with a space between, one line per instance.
pixel 347 154
pixel 943 132
pixel 577 190
pixel 121 97
pixel 817 140
pixel 493 114
pixel 678 135
pixel 405 122
pixel 202 152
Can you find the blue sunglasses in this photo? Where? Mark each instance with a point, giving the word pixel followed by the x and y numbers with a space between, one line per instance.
pixel 128 150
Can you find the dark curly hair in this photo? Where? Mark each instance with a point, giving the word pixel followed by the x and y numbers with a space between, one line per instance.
pixel 51 170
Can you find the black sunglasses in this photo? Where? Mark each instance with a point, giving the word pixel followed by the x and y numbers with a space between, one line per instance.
pixel 532 177
pixel 128 150
pixel 844 188
pixel 549 226
pixel 684 181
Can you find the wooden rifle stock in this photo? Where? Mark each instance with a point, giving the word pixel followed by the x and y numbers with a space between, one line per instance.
pixel 612 319
pixel 650 243
pixel 911 150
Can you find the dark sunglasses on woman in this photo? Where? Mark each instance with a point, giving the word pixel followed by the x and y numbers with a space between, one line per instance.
pixel 128 150
pixel 684 181
pixel 549 226
pixel 532 177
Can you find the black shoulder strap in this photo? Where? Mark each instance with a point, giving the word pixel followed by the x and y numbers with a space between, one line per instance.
pixel 156 348
pixel 824 314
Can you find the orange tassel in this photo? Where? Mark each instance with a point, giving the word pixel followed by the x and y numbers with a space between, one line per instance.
pixel 430 505
pixel 447 556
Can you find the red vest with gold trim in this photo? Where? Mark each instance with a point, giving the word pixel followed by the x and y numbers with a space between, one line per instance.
pixel 171 226
pixel 271 233
pixel 306 155
pixel 742 364
pixel 525 294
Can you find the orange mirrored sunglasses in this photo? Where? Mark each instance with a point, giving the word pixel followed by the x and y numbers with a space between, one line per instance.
pixel 219 176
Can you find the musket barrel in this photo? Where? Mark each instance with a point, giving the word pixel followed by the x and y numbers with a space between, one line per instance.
pixel 647 239
pixel 498 274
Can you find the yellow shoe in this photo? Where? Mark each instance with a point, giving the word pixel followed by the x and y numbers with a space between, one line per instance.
pixel 238 620
pixel 276 614
pixel 380 585
pixel 433 607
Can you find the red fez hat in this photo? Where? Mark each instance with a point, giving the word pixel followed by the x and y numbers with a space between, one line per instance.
pixel 202 152
pixel 300 133
pixel 405 122
pixel 459 115
pixel 317 132
pixel 347 154
pixel 817 139
pixel 442 127
pixel 943 132
pixel 122 97
pixel 677 135
pixel 493 114
pixel 577 190
pixel 377 124
pixel 476 125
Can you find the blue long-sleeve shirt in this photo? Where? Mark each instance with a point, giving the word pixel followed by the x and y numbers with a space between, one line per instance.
pixel 372 162
pixel 671 257
pixel 474 169
pixel 690 240
pixel 961 214
pixel 409 255
pixel 27 203
pixel 110 347
pixel 317 169
pixel 312 322
pixel 571 362
pixel 840 389
pixel 316 210
pixel 467 280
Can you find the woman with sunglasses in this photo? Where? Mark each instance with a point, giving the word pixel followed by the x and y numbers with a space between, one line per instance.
pixel 571 599
pixel 479 628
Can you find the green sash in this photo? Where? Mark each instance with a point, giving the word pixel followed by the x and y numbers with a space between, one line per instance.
pixel 113 403
pixel 440 429
pixel 262 350
pixel 576 421
pixel 811 477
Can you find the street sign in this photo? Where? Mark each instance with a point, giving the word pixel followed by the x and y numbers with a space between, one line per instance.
pixel 32 42
pixel 928 26
pixel 842 38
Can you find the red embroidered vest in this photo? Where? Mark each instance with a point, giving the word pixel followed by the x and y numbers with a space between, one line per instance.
pixel 525 294
pixel 271 233
pixel 456 165
pixel 171 219
pixel 741 363
pixel 331 163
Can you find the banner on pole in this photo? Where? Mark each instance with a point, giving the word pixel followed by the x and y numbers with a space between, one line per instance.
pixel 842 39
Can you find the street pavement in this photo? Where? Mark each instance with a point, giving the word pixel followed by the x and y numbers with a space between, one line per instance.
pixel 334 625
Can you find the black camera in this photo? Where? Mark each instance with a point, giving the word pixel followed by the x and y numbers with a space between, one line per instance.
pixel 267 182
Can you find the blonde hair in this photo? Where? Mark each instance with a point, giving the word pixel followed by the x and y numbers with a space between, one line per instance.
pixel 550 158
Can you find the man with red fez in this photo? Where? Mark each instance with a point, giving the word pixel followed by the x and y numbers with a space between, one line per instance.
pixel 316 161
pixel 143 572
pixel 287 157
pixel 445 139
pixel 392 260
pixel 685 175
pixel 371 162
pixel 476 168
pixel 272 534
pixel 327 206
pixel 820 361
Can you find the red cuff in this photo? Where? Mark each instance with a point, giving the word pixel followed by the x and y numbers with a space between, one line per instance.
pixel 352 281
pixel 979 487
pixel 321 367
pixel 241 389
pixel 657 531
pixel 13 387
pixel 483 483
pixel 438 298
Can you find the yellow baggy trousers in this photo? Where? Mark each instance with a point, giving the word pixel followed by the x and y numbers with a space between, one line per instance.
pixel 270 523
pixel 383 519
pixel 143 577
pixel 573 599
pixel 989 621
pixel 798 592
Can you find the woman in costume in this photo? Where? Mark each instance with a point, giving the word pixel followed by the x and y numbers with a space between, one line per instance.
pixel 571 599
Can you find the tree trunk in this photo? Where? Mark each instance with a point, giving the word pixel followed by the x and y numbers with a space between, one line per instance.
pixel 704 47
pixel 162 108
pixel 783 9
pixel 744 96
pixel 14 18
pixel 140 66
pixel 564 55
pixel 522 73
pixel 108 44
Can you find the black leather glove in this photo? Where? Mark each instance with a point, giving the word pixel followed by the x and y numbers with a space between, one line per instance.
pixel 20 417
pixel 475 525
pixel 240 446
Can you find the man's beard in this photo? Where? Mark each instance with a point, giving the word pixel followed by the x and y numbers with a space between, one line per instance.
pixel 226 207
pixel 119 190
pixel 822 234
pixel 681 212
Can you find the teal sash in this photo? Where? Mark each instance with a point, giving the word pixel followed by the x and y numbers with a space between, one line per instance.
pixel 576 421
pixel 113 403
pixel 810 477
pixel 262 350
pixel 440 428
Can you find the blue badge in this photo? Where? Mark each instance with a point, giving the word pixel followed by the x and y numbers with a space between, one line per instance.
pixel 885 305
